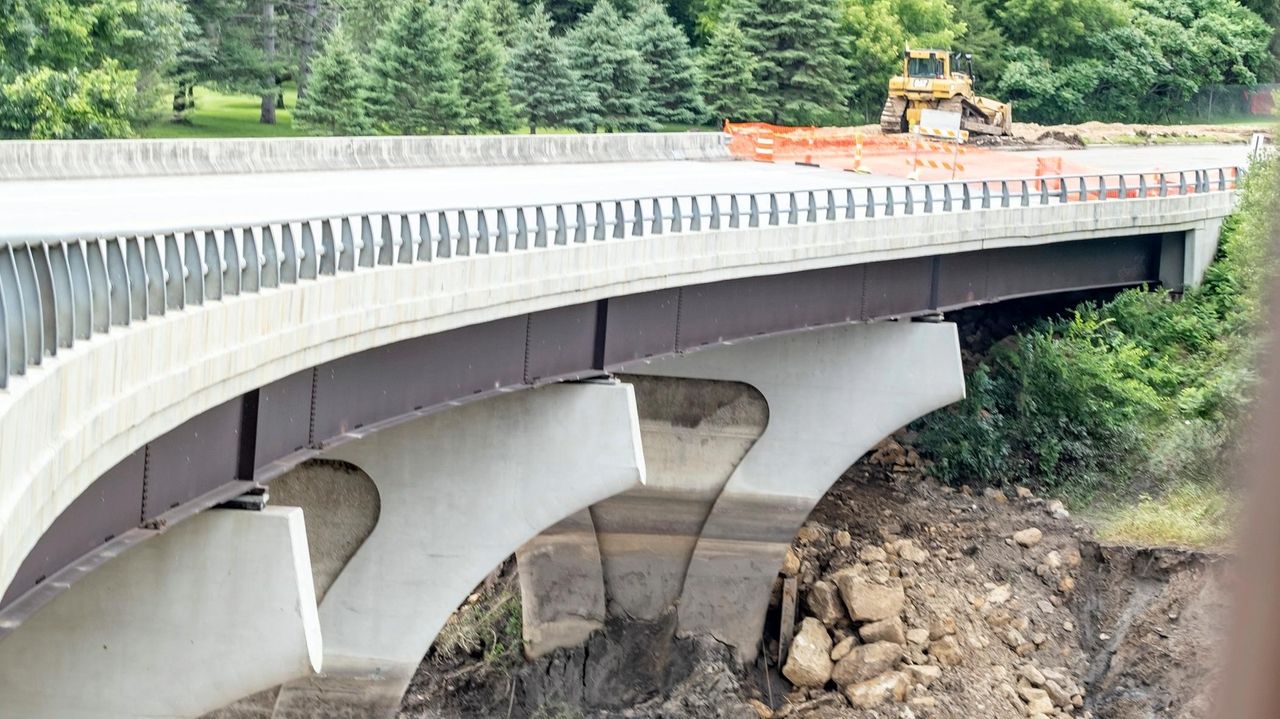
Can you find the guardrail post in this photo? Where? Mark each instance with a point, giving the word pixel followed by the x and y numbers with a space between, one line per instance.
pixel 231 263
pixel 118 289
pixel 444 245
pixel 773 209
pixel 637 220
pixel 501 239
pixel 1142 185
pixel 1044 193
pixel 655 225
pixel 946 198
pixel 1024 192
pixel 966 196
pixel 482 231
pixel 811 215
pixel 871 203
pixel 986 195
pixel 347 248
pixel 463 246
pixel 753 219
pixel 1124 188
pixel 793 211
pixel 522 229
pixel 715 212
pixel 561 230
pixel 619 221
pixel 677 215
pixel 404 243
pixel 602 225
pixel 212 265
pixel 385 244
pixel 831 205
pixel 155 280
pixel 909 202
pixel 1102 187
pixel 850 205
pixel 888 201
pixel 11 305
pixel 579 223
pixel 308 261
pixel 695 214
pixel 328 251
pixel 540 240
pixel 134 271
pixel 928 199
pixel 425 240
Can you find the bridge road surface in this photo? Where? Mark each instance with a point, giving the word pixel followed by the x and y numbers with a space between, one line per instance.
pixel 53 209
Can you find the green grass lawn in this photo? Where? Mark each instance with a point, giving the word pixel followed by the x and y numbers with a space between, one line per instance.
pixel 219 114
pixel 222 115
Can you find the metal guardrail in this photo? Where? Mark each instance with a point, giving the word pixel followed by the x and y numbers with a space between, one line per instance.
pixel 54 293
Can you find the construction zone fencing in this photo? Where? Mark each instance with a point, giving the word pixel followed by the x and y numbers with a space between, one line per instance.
pixel 922 155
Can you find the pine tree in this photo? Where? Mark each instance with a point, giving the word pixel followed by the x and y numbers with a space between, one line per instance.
pixel 672 88
pixel 482 69
pixel 728 76
pixel 335 103
pixel 506 21
pixel 803 73
pixel 544 83
pixel 413 80
pixel 603 50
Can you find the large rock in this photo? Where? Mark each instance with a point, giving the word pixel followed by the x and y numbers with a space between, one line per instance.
pixel 885 630
pixel 866 600
pixel 1028 537
pixel 946 651
pixel 878 690
pixel 824 602
pixel 866 661
pixel 809 661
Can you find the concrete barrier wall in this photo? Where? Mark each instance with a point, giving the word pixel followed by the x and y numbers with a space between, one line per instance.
pixel 76 159
pixel 63 426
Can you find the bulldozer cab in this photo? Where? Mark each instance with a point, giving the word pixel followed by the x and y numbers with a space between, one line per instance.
pixel 930 64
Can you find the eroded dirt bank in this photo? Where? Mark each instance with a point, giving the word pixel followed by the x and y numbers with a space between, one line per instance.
pixel 915 600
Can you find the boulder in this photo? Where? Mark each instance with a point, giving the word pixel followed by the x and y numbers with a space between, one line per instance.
pixel 791 565
pixel 1029 537
pixel 946 651
pixel 885 630
pixel 842 648
pixel 878 690
pixel 809 660
pixel 866 661
pixel 872 553
pixel 922 674
pixel 866 600
pixel 824 602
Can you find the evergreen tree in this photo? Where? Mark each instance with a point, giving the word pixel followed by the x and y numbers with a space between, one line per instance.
pixel 672 89
pixel 544 83
pixel 335 103
pixel 803 74
pixel 506 21
pixel 482 69
pixel 413 80
pixel 728 76
pixel 603 50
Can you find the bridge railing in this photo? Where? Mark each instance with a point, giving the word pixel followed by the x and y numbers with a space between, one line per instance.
pixel 56 292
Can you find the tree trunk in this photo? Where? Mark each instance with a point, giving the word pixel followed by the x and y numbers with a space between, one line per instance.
pixel 307 45
pixel 268 116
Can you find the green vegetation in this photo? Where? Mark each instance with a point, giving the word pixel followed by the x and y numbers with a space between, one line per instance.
pixel 86 68
pixel 1144 394
pixel 1188 514
pixel 488 626
pixel 218 114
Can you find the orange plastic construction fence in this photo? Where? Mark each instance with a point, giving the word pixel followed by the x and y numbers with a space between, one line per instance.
pixel 867 149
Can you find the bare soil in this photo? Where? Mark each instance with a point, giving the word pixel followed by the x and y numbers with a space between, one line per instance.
pixel 1133 630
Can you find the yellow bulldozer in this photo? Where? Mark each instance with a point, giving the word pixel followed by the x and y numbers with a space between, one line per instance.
pixel 928 82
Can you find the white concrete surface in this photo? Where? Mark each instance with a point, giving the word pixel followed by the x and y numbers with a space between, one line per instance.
pixel 40 159
pixel 100 400
pixel 103 207
pixel 832 395
pixel 216 608
pixel 460 491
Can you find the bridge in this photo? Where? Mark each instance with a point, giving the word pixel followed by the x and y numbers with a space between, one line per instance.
pixel 642 396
